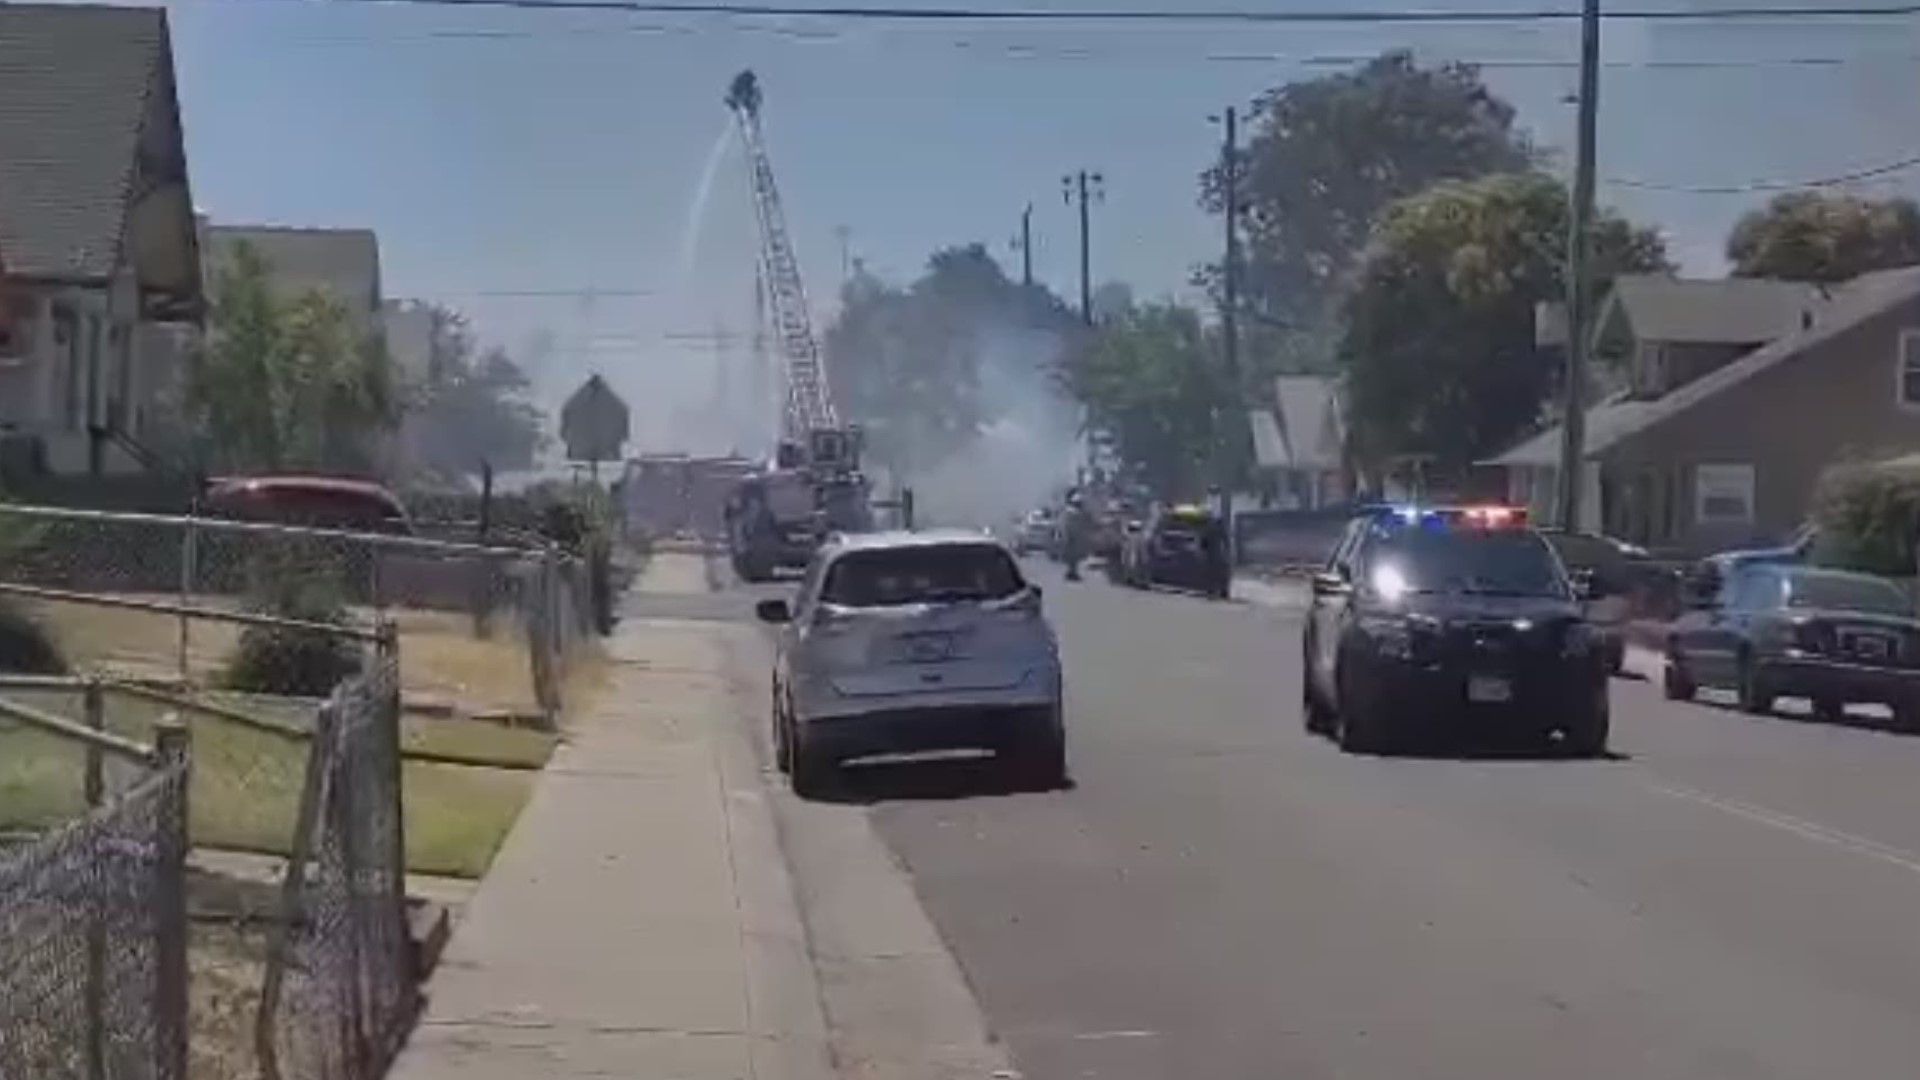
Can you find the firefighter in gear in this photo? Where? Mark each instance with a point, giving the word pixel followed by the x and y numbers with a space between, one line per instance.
pixel 1076 529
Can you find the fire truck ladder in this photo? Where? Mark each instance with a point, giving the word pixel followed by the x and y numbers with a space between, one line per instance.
pixel 809 406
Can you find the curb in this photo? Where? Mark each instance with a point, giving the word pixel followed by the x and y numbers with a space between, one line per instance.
pixel 840 915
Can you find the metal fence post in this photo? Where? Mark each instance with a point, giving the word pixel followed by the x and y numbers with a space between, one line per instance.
pixel 175 751
pixel 387 653
pixel 95 713
pixel 189 558
pixel 313 791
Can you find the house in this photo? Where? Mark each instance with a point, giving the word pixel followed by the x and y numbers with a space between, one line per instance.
pixel 1300 443
pixel 408 325
pixel 100 278
pixel 345 263
pixel 1734 397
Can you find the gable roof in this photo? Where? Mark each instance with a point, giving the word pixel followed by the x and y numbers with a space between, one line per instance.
pixel 74 87
pixel 1727 311
pixel 1621 417
pixel 347 261
pixel 1303 430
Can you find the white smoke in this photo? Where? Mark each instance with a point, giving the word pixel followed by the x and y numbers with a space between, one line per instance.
pixel 1028 448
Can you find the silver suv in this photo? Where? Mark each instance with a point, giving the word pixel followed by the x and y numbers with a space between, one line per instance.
pixel 904 643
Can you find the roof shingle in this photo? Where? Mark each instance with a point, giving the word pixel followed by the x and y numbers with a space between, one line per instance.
pixel 74 85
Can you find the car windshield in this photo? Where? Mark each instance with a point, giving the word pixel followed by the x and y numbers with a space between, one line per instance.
pixel 921 574
pixel 1482 562
pixel 1845 592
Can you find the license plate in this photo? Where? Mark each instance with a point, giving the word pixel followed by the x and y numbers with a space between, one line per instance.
pixel 1487 689
pixel 926 648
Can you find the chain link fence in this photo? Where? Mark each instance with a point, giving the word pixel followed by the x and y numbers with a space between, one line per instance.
pixel 463 610
pixel 340 989
pixel 93 919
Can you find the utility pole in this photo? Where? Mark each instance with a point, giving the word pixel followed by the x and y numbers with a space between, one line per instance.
pixel 1026 246
pixel 845 236
pixel 1573 423
pixel 1082 189
pixel 1230 302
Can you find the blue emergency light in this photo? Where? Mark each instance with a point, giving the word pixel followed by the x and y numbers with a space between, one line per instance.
pixel 1490 516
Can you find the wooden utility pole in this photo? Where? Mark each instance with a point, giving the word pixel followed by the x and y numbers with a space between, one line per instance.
pixel 1573 424
pixel 1082 189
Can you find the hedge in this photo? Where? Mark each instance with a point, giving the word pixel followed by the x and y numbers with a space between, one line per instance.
pixel 1868 517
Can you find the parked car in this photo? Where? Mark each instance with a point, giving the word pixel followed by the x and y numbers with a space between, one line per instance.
pixel 327 502
pixel 1035 532
pixel 1613 572
pixel 910 642
pixel 1776 630
pixel 1181 546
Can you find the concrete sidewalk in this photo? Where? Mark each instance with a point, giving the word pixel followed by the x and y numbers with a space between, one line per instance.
pixel 639 921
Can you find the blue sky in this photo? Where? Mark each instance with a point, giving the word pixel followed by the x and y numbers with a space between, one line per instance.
pixel 515 151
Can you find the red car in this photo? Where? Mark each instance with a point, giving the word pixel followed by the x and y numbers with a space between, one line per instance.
pixel 325 502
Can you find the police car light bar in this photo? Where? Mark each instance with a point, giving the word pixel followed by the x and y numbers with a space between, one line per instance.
pixel 1483 517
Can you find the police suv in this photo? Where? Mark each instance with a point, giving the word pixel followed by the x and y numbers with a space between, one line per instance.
pixel 1436 624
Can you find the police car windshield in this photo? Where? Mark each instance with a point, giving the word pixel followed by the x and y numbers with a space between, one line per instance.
pixel 1484 562
pixel 921 574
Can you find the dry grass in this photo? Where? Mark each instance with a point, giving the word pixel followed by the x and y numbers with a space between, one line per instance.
pixel 440 657
pixel 227 964
pixel 246 785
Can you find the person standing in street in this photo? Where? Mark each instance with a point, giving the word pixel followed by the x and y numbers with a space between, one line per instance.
pixel 1075 527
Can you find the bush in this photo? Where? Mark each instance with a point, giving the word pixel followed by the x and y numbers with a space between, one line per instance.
pixel 25 646
pixel 300 663
pixel 1869 519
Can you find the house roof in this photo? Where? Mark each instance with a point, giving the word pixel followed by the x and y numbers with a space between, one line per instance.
pixel 74 86
pixel 1303 430
pixel 344 260
pixel 1729 311
pixel 1621 417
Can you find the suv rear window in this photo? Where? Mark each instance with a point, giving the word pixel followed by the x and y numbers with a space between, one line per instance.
pixel 921 574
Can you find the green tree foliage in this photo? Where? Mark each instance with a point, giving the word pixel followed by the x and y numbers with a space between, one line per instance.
pixel 1151 378
pixel 471 407
pixel 1324 159
pixel 1439 355
pixel 1869 518
pixel 286 381
pixel 1814 236
pixel 917 366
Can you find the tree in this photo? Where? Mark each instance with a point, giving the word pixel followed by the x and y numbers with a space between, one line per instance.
pixel 1439 355
pixel 469 408
pixel 1814 236
pixel 1325 158
pixel 286 381
pixel 927 369
pixel 1151 378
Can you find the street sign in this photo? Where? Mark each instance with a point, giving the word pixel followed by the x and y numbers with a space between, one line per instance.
pixel 593 423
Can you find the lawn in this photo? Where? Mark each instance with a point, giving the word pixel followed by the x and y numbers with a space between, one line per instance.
pixel 440 658
pixel 246 784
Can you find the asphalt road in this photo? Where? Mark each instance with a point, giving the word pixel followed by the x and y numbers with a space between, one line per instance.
pixel 1223 896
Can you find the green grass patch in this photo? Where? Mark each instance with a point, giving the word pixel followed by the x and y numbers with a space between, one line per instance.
pixel 246 781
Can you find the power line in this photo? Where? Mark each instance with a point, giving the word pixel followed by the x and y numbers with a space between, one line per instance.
pixel 1739 12
pixel 1759 186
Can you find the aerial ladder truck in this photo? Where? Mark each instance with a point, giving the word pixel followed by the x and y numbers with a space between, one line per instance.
pixel 813 486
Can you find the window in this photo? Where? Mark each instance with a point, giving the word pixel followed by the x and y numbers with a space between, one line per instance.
pixel 1845 592
pixel 921 574
pixel 1723 494
pixel 1908 386
pixel 16 328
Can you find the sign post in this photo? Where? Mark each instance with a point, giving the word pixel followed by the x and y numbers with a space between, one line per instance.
pixel 594 424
